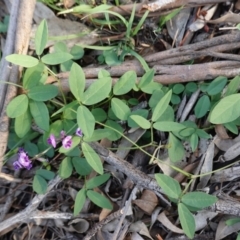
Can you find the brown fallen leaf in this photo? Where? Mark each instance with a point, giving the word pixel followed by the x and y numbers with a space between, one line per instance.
pixel 162 218
pixel 148 201
pixel 229 17
pixel 221 131
pixel 68 3
pixel 237 5
pixel 154 6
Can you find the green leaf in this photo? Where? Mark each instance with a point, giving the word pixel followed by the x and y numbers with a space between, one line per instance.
pixel 194 141
pixel 151 87
pixel 103 74
pixel 77 81
pixel 133 101
pixel 164 19
pixel 56 58
pixel 98 134
pixel 161 106
pixel 198 199
pixel 168 126
pixel 22 60
pixel 33 76
pixel 217 85
pixel 142 122
pixel 97 91
pixel 233 86
pixel 66 168
pixel 178 88
pixel 231 126
pixel 4 24
pixel 99 199
pixel 232 221
pixel 113 134
pixel 97 181
pixel 75 141
pixel 146 79
pixel 125 83
pixel 202 134
pixel 56 128
pixel 79 201
pixel 43 92
pixel 111 58
pixel 23 124
pixel 85 121
pixel 71 105
pixel 170 186
pixel 156 96
pixel 40 114
pixel 168 115
pixel 187 220
pixel 175 99
pixel 92 158
pixel 81 166
pixel 176 150
pixel 99 114
pixel 39 184
pixel 186 132
pixel 191 87
pixel 120 109
pixel 77 52
pixel 139 112
pixel 227 110
pixel 48 175
pixel 75 152
pixel 41 37
pixel 31 148
pixel 18 106
pixel 202 106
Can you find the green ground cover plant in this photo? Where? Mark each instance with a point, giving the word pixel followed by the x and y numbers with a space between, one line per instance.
pixel 69 123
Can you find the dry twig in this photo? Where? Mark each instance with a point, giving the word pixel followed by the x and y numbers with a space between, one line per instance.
pixel 28 212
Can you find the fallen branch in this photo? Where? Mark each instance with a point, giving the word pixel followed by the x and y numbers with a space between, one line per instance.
pixel 20 23
pixel 192 48
pixel 137 176
pixel 163 74
pixel 27 213
pixel 125 10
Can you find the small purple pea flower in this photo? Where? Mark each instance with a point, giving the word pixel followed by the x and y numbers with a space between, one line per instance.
pixel 67 142
pixel 52 140
pixel 23 160
pixel 79 132
pixel 62 134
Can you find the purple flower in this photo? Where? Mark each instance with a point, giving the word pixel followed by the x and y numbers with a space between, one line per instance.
pixel 79 132
pixel 52 140
pixel 67 142
pixel 23 160
pixel 62 134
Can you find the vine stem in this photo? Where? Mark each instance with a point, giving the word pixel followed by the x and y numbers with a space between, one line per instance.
pixel 59 82
pixel 11 83
pixel 173 167
pixel 155 158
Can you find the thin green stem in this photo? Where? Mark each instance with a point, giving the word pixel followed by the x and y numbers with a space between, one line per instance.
pixel 217 170
pixel 10 83
pixel 59 84
pixel 138 147
pixel 187 186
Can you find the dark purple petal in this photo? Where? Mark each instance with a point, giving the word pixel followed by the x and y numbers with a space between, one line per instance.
pixel 67 142
pixel 62 134
pixel 29 166
pixel 52 141
pixel 79 132
pixel 24 161
pixel 17 165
